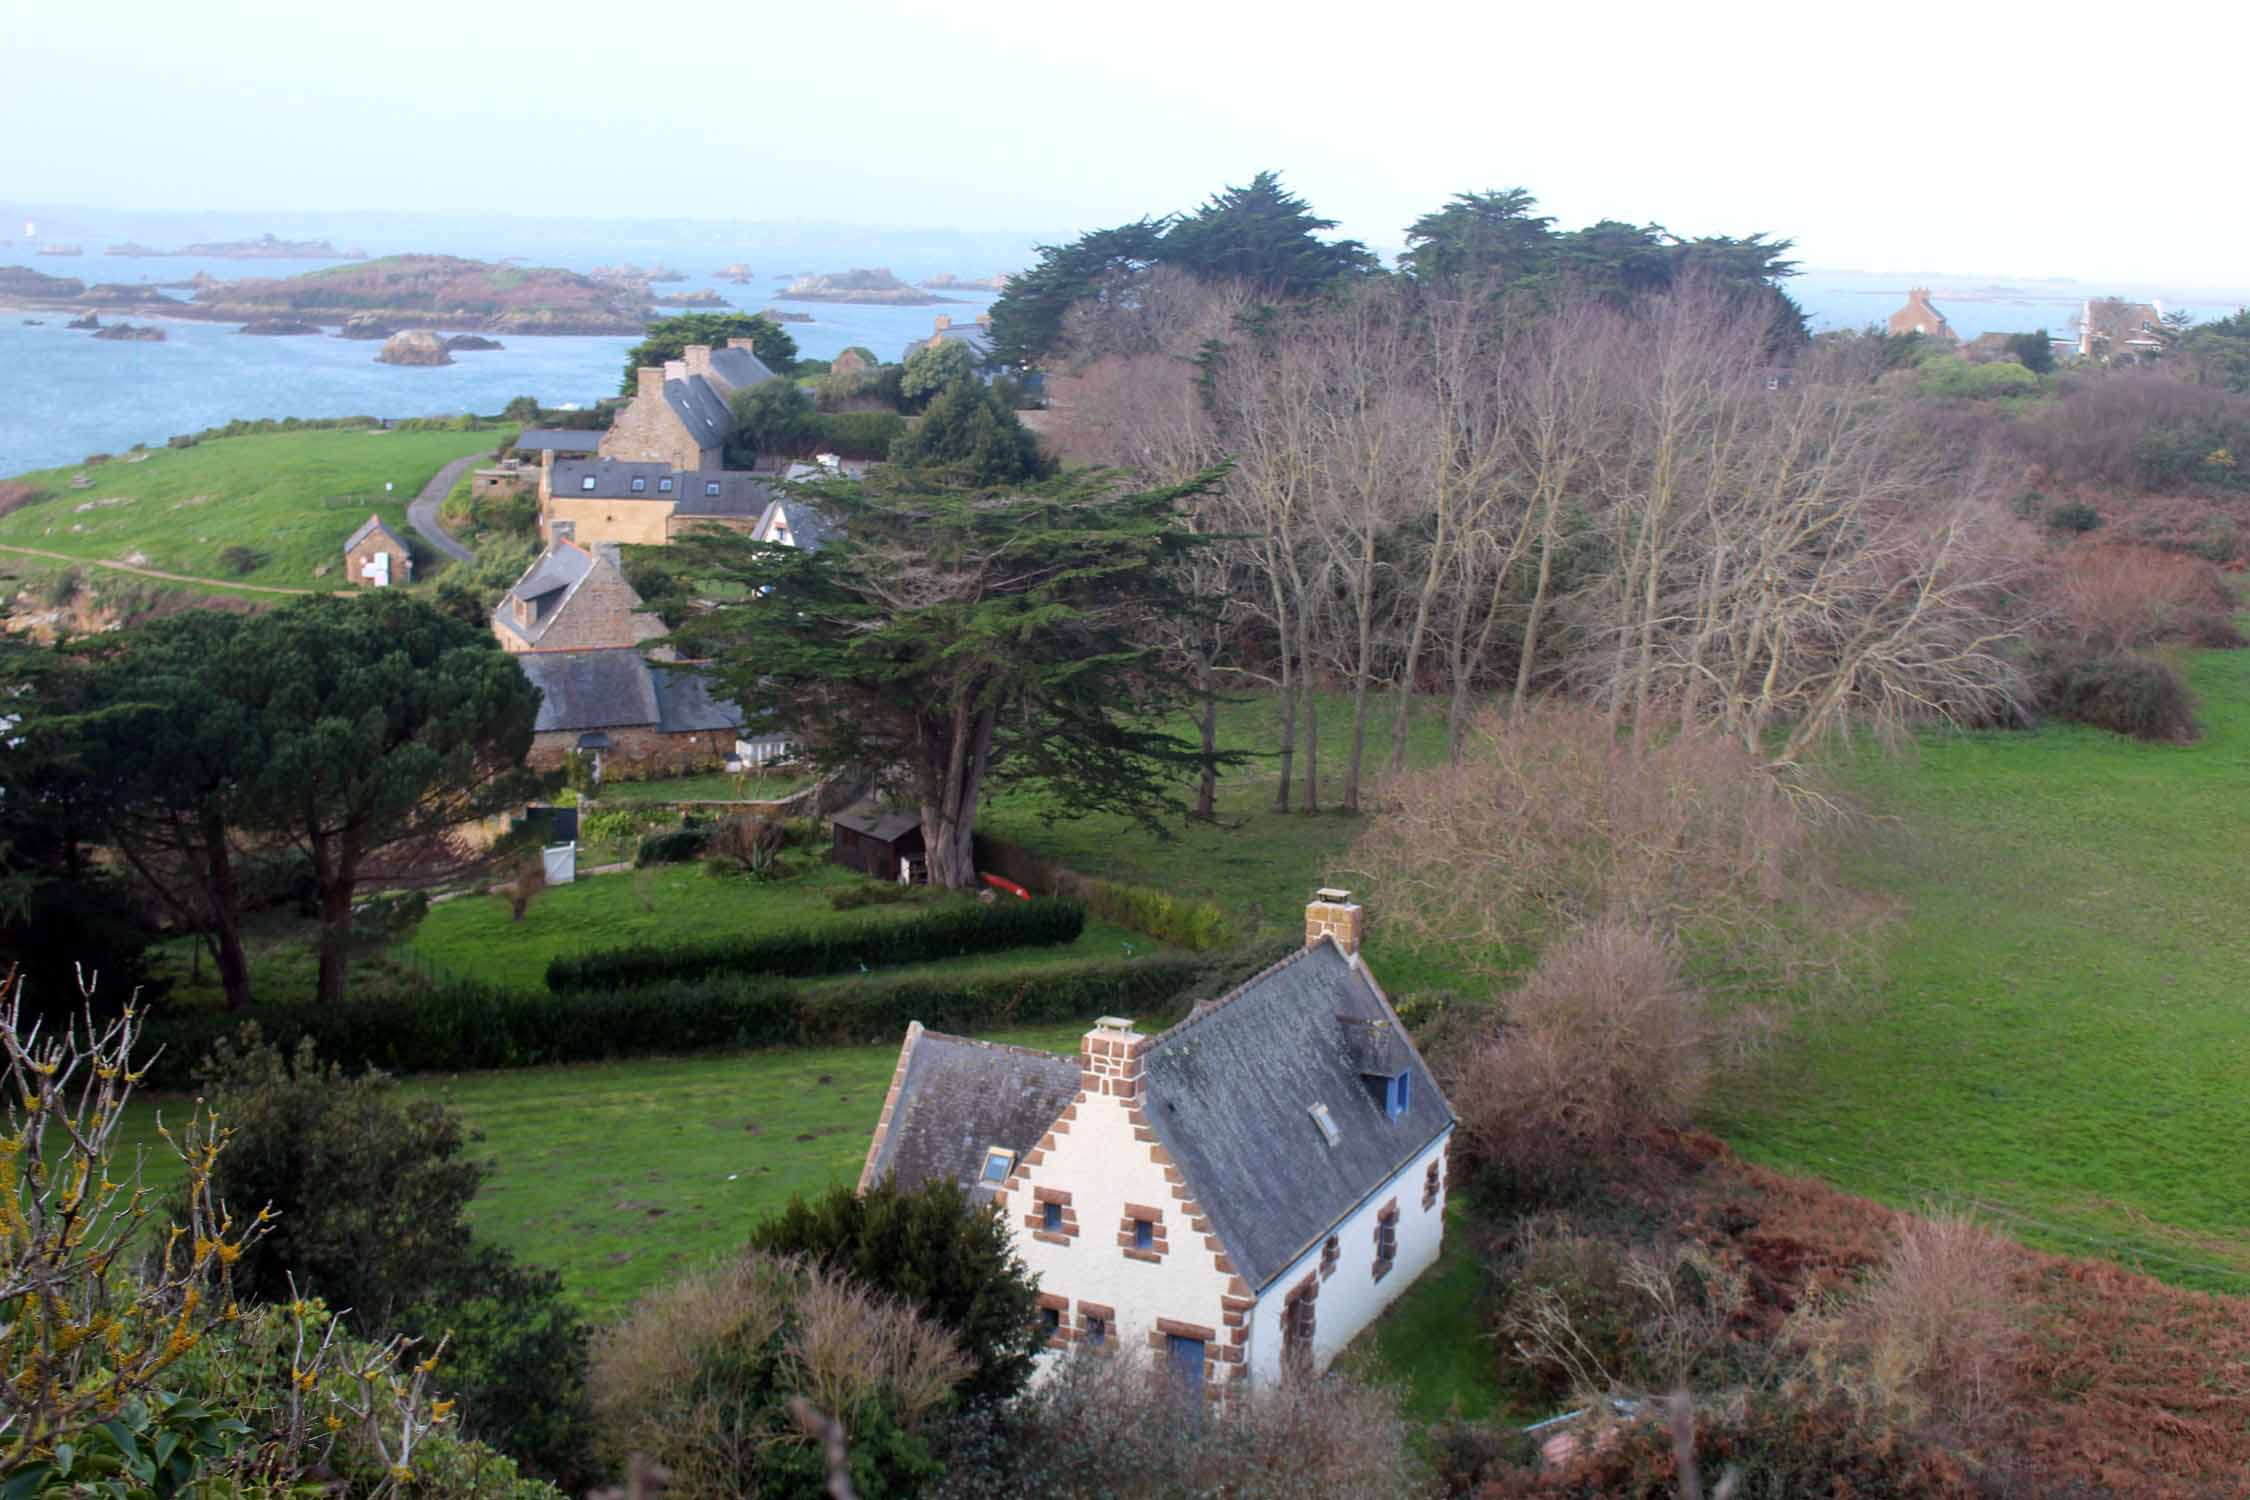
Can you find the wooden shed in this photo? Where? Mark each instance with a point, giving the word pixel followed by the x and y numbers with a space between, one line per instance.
pixel 880 841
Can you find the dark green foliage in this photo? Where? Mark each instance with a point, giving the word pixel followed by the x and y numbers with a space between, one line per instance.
pixel 57 927
pixel 774 417
pixel 951 932
pixel 468 591
pixel 859 434
pixel 468 1027
pixel 370 1196
pixel 2120 691
pixel 2075 515
pixel 1489 236
pixel 1027 319
pixel 933 367
pixel 672 846
pixel 668 338
pixel 1265 235
pixel 521 409
pixel 938 1251
pixel 2195 454
pixel 871 893
pixel 971 437
pixel 239 561
pixel 2034 351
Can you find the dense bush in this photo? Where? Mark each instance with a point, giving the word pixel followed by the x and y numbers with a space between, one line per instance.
pixel 2114 598
pixel 465 1027
pixel 699 1377
pixel 1198 926
pixel 239 561
pixel 2074 515
pixel 2134 429
pixel 949 932
pixel 858 434
pixel 370 1195
pixel 936 1249
pixel 673 846
pixel 2121 691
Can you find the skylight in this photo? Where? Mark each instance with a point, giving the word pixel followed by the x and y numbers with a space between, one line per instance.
pixel 998 1163
pixel 1319 1113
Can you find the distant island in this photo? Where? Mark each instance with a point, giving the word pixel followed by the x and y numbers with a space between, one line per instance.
pixel 781 315
pixel 62 249
pixel 859 285
pixel 427 290
pixel 704 298
pixel 947 281
pixel 264 247
pixel 738 273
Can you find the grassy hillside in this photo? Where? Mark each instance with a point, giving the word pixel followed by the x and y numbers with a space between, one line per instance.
pixel 292 496
pixel 2062 1035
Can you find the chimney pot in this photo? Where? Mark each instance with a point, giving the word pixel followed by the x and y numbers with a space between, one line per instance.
pixel 698 359
pixel 1332 913
pixel 944 321
pixel 1111 1055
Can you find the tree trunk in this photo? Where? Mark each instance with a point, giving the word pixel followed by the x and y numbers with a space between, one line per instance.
pixel 1288 714
pixel 336 878
pixel 1310 718
pixel 1359 744
pixel 226 918
pixel 949 820
pixel 1531 620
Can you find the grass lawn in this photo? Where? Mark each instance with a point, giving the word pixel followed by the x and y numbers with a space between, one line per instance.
pixel 292 496
pixel 2062 1032
pixel 473 936
pixel 713 786
pixel 1431 1339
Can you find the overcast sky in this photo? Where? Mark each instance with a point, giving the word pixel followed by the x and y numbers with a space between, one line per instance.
pixel 1912 136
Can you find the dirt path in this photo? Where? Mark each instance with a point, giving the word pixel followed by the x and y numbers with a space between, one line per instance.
pixel 422 515
pixel 95 562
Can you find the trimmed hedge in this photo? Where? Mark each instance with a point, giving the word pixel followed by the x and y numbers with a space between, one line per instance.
pixel 467 1027
pixel 1199 926
pixel 949 932
pixel 673 846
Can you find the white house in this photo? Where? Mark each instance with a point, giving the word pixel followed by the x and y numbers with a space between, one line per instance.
pixel 1240 1195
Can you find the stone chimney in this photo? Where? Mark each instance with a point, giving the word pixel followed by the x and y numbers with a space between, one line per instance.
pixel 698 359
pixel 1109 1059
pixel 944 321
pixel 675 369
pixel 1334 914
pixel 651 381
pixel 741 343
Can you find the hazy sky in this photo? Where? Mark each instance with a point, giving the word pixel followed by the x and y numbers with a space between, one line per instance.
pixel 2014 140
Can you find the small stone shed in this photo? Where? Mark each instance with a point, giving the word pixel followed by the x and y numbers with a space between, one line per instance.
pixel 876 840
pixel 376 556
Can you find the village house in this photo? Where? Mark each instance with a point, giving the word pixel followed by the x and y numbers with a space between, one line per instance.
pixel 377 557
pixel 1239 1195
pixel 2114 331
pixel 595 501
pixel 977 336
pixel 678 415
pixel 578 630
pixel 1918 316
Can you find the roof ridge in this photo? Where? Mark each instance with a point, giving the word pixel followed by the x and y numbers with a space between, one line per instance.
pixel 1016 1047
pixel 1210 1008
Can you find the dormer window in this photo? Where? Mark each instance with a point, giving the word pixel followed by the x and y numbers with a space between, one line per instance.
pixel 1393 1091
pixel 639 485
pixel 998 1163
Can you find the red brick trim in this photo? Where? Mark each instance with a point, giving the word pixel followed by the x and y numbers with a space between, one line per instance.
pixel 1087 1313
pixel 1431 1184
pixel 1060 1307
pixel 1174 1328
pixel 1066 1228
pixel 1386 1218
pixel 1136 1214
pixel 890 1104
pixel 1330 1254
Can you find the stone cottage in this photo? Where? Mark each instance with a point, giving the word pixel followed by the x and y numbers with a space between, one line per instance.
pixel 1919 316
pixel 1239 1195
pixel 2114 331
pixel 678 415
pixel 573 598
pixel 598 500
pixel 377 557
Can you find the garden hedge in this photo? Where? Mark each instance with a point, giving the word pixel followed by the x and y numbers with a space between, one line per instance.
pixel 469 1027
pixel 948 932
pixel 1199 926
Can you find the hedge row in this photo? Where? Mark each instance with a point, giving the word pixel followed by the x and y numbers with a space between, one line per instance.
pixel 1198 926
pixel 948 932
pixel 467 1027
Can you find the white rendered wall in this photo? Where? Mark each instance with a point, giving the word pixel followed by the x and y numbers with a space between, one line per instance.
pixel 1351 1298
pixel 1096 1156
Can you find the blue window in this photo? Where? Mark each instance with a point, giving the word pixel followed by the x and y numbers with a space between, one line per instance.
pixel 664 486
pixel 587 483
pixel 1050 1217
pixel 1095 1328
pixel 1050 1322
pixel 1393 1091
pixel 639 485
pixel 1144 1235
pixel 1184 1359
pixel 1400 1095
pixel 998 1163
pixel 710 486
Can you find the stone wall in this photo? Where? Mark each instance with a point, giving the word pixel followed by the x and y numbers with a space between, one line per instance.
pixel 637 523
pixel 355 562
pixel 648 430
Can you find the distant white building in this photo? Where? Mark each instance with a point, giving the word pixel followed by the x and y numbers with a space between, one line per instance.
pixel 1240 1195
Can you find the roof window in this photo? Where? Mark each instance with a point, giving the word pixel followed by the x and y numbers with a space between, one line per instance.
pixel 999 1161
pixel 639 485
pixel 587 483
pixel 1320 1117
pixel 710 486
pixel 1393 1091
pixel 664 486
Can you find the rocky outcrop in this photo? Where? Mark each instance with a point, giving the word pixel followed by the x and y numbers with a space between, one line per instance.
pixel 738 273
pixel 22 281
pixel 877 286
pixel 280 328
pixel 366 326
pixel 128 333
pixel 704 298
pixel 776 315
pixel 472 341
pixel 414 347
pixel 86 320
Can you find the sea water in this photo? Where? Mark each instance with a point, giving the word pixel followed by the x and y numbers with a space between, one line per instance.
pixel 65 394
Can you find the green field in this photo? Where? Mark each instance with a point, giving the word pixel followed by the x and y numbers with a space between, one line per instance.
pixel 292 496
pixel 2064 1030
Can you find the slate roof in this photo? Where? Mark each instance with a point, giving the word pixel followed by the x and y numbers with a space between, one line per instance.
pixel 684 701
pixel 739 368
pixel 886 824
pixel 701 409
pixel 370 527
pixel 957 1097
pixel 739 494
pixel 610 689
pixel 1228 1096
pixel 809 530
pixel 547 585
pixel 613 478
pixel 558 440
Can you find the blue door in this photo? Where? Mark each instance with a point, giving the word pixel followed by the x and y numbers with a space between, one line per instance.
pixel 1184 1357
